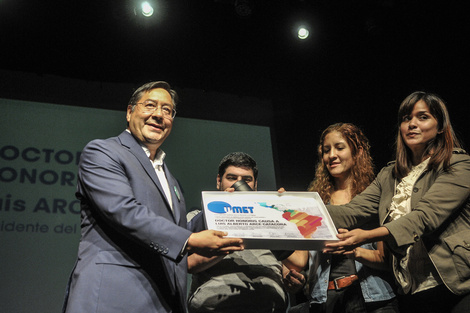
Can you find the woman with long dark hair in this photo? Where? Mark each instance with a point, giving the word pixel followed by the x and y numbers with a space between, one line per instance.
pixel 422 202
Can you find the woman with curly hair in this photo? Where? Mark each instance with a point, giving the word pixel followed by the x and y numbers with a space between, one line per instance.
pixel 339 283
pixel 332 181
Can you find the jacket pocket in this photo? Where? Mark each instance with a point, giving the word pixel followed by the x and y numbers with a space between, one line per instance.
pixel 115 258
pixel 120 285
pixel 459 245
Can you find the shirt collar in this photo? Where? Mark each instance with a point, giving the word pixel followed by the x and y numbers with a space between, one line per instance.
pixel 159 157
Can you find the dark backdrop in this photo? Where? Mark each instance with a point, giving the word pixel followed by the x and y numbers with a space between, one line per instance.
pixel 362 58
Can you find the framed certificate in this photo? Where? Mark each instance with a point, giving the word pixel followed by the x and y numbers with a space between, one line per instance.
pixel 271 220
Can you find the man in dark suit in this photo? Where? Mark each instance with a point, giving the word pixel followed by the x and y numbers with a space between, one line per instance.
pixel 134 234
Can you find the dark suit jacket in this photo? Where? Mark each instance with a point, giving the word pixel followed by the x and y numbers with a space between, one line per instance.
pixel 129 254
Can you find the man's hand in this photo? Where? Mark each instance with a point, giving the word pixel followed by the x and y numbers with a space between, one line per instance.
pixel 198 263
pixel 209 243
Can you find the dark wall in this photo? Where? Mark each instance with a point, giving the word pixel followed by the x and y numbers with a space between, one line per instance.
pixel 296 114
pixel 198 104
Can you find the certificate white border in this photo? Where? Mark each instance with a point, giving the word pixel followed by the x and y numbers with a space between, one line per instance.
pixel 279 243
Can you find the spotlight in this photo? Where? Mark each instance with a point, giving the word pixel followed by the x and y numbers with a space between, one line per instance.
pixel 244 8
pixel 147 9
pixel 303 33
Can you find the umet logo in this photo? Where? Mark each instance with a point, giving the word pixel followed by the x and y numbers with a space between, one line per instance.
pixel 223 207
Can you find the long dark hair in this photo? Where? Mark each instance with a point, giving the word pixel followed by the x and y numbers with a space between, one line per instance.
pixel 440 148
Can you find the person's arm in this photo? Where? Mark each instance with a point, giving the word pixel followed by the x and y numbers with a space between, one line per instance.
pixel 447 195
pixel 104 183
pixel 363 208
pixel 297 260
pixel 376 259
pixel 209 243
pixel 198 263
pixel 355 238
pixel 292 279
pixel 373 258
pixel 291 267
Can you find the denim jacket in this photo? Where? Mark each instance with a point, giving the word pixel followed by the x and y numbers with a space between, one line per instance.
pixel 374 288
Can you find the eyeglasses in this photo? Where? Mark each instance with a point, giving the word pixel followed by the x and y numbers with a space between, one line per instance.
pixel 149 107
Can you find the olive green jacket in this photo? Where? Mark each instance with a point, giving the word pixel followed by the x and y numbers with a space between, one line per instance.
pixel 440 216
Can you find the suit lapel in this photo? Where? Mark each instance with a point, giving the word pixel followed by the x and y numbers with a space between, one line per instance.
pixel 175 193
pixel 127 140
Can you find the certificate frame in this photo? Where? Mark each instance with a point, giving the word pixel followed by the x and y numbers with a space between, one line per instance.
pixel 271 220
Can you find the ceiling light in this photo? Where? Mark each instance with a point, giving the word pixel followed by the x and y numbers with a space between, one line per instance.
pixel 244 8
pixel 303 33
pixel 147 9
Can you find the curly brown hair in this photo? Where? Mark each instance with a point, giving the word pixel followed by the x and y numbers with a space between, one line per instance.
pixel 363 170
